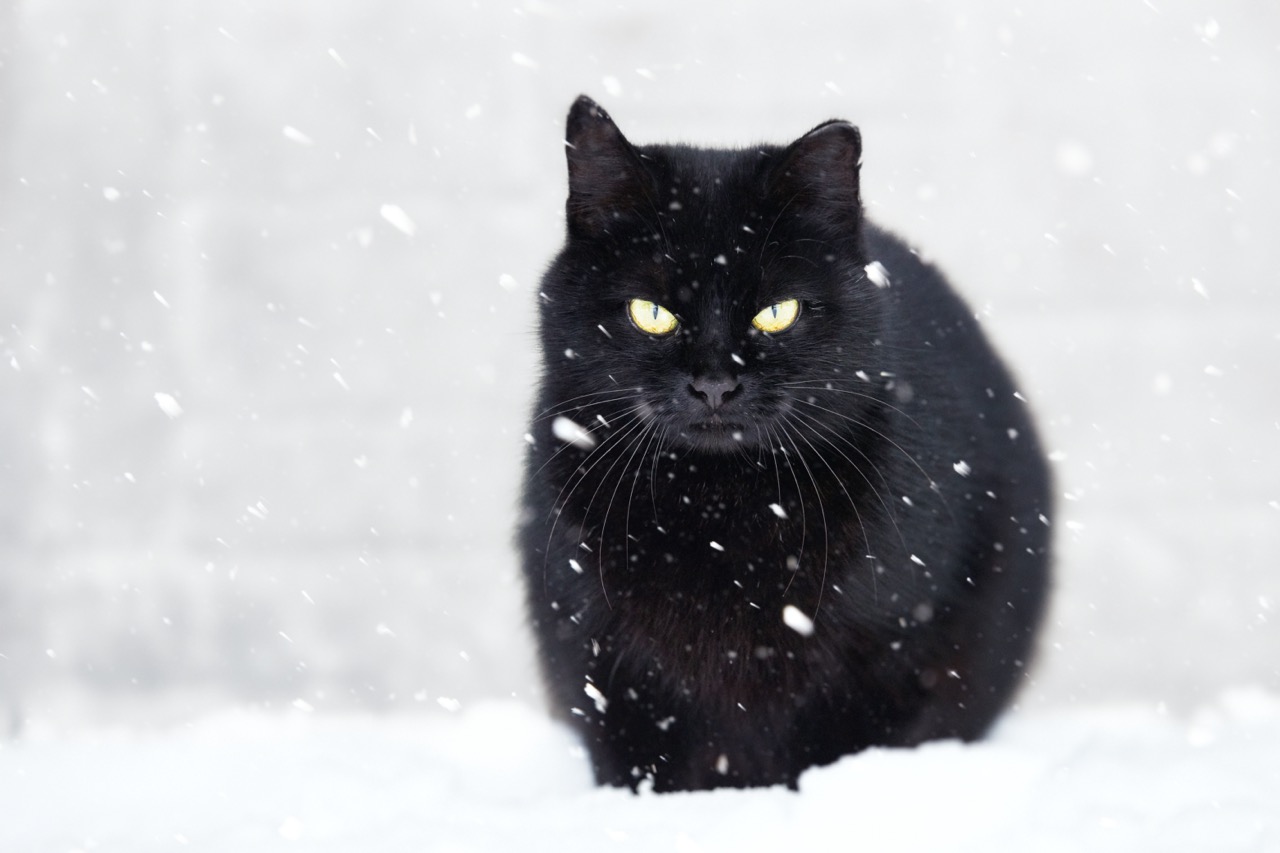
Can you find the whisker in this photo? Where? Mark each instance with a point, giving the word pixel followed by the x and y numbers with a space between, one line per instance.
pixel 824 385
pixel 594 427
pixel 595 457
pixel 857 514
pixel 604 519
pixel 601 454
pixel 653 472
pixel 835 434
pixel 826 545
pixel 568 405
pixel 647 430
pixel 804 522
pixel 933 486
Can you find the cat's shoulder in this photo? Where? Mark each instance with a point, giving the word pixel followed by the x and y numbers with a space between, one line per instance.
pixel 918 294
pixel 898 267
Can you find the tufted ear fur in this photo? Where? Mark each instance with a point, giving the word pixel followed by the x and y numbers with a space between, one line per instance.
pixel 607 180
pixel 817 177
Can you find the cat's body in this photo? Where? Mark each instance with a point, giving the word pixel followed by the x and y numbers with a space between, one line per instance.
pixel 775 536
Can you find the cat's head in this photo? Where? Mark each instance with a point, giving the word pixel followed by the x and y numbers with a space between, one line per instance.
pixel 707 291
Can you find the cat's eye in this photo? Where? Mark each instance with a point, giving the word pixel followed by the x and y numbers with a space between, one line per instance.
pixel 777 317
pixel 651 318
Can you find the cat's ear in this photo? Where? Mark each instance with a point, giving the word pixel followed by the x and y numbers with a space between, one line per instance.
pixel 607 181
pixel 817 176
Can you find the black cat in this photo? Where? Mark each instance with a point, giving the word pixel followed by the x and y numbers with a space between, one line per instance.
pixel 782 502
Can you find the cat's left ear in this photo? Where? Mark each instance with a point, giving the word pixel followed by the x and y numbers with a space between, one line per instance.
pixel 817 176
pixel 607 181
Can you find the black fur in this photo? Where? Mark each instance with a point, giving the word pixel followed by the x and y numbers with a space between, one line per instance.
pixel 871 467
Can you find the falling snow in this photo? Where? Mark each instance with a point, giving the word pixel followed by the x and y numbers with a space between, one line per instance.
pixel 180 690
pixel 168 404
pixel 601 703
pixel 398 219
pixel 294 135
pixel 878 274
pixel 1073 158
pixel 797 621
pixel 572 433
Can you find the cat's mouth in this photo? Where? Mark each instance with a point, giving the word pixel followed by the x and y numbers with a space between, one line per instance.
pixel 715 433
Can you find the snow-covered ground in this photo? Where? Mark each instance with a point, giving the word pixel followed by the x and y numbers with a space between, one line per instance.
pixel 266 300
pixel 500 777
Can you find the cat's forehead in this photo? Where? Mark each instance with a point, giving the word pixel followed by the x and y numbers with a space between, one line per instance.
pixel 705 178
pixel 710 202
pixel 709 240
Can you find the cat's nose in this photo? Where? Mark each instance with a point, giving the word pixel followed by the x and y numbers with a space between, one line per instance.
pixel 715 391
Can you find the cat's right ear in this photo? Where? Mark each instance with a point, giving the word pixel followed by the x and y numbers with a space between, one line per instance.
pixel 606 178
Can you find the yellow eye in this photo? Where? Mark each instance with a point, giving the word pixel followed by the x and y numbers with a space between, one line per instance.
pixel 778 317
pixel 651 318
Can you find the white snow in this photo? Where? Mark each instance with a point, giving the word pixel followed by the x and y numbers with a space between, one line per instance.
pixel 1074 158
pixel 797 620
pixel 168 404
pixel 573 433
pixel 500 776
pixel 292 134
pixel 878 274
pixel 165 681
pixel 395 215
pixel 597 697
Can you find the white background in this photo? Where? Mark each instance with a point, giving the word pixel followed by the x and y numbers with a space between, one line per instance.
pixel 267 282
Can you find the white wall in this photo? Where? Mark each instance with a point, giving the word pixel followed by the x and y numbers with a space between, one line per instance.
pixel 191 201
